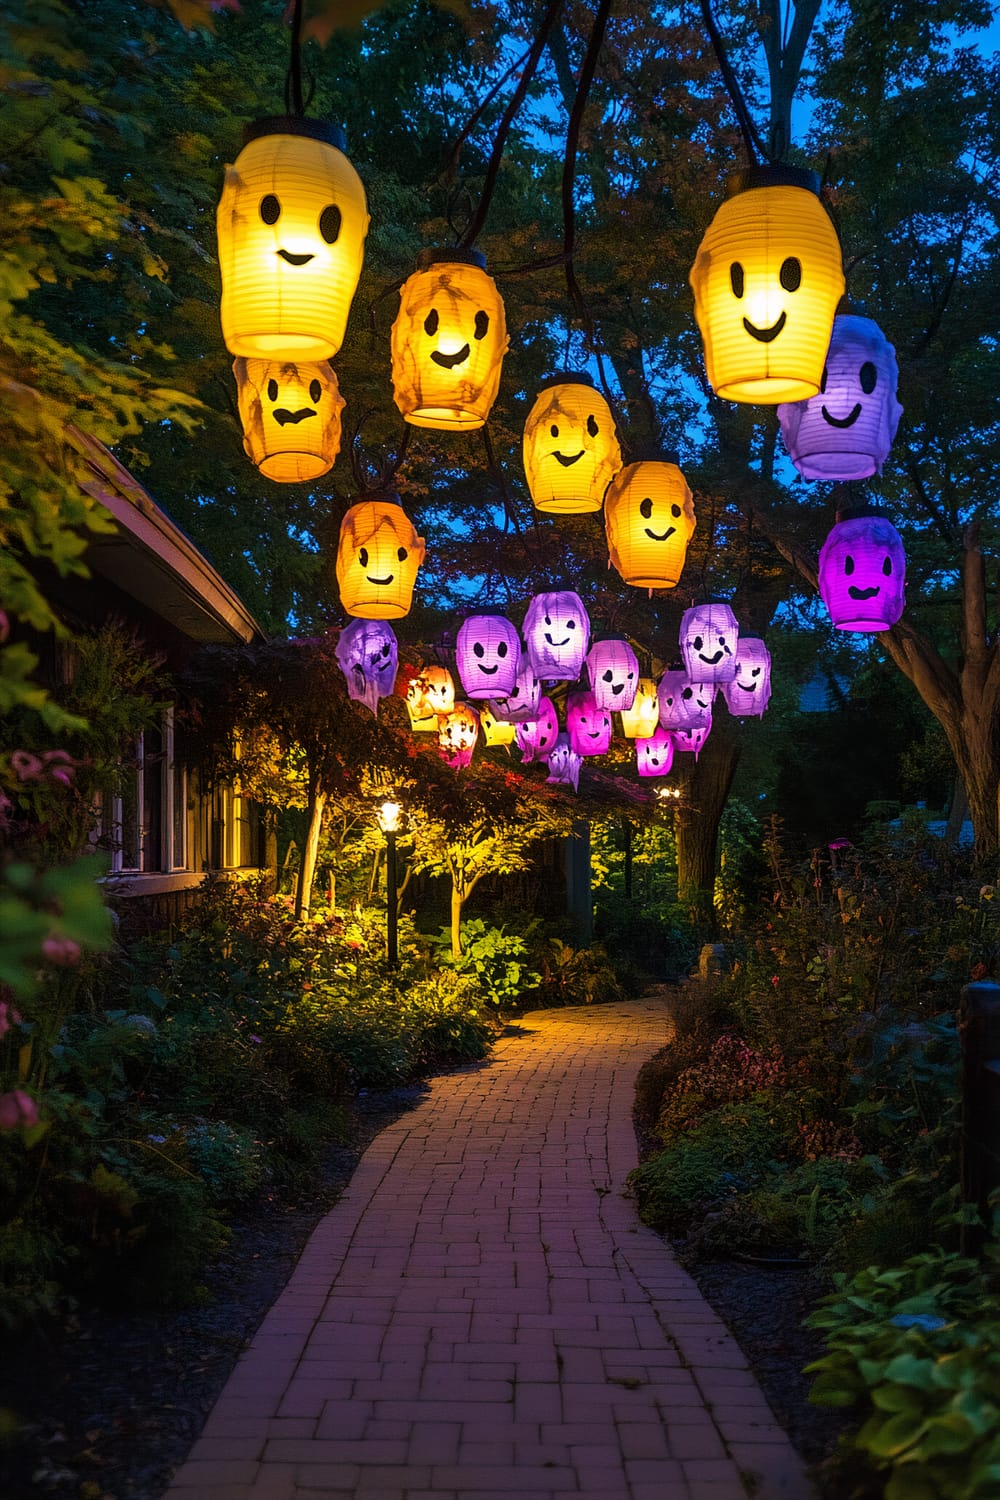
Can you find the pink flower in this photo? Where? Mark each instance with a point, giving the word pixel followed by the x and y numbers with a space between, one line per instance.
pixel 775 980
pixel 17 1110
pixel 26 767
pixel 61 950
pixel 60 766
pixel 8 1017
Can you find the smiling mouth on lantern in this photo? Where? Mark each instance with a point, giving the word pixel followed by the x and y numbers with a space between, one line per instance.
pixel 551 642
pixel 561 458
pixel 488 670
pixel 710 661
pixel 594 734
pixel 660 536
pixel 295 260
pixel 848 421
pixel 449 361
pixel 618 687
pixel 857 593
pixel 283 416
pixel 748 687
pixel 764 335
pixel 381 581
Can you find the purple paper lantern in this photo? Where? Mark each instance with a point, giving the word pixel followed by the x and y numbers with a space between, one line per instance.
pixel 457 736
pixel 557 634
pixel 684 704
pixel 536 737
pixel 368 656
pixel 564 764
pixel 862 573
pixel 522 701
pixel 613 673
pixel 487 650
pixel 589 726
pixel 655 756
pixel 748 694
pixel 847 430
pixel 709 633
pixel 686 740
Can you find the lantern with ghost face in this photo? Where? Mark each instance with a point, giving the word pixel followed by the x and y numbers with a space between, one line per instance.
pixel 564 764
pixel 522 701
pixel 368 655
pixel 847 430
pixel 589 727
pixel 613 672
pixel 536 737
pixel 291 417
pixel 684 704
pixel 862 573
pixel 708 640
pixel 488 648
pixel 494 731
pixel 423 719
pixel 570 447
pixel 458 732
pixel 766 281
pixel 748 694
pixel 291 225
pixel 692 740
pixel 655 755
pixel 377 560
pixel 439 690
pixel 640 721
pixel 448 341
pixel 557 634
pixel 649 518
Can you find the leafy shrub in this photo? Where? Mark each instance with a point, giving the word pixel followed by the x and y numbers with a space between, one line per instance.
pixel 229 1161
pixel 729 1070
pixel 498 960
pixel 796 1209
pixel 577 976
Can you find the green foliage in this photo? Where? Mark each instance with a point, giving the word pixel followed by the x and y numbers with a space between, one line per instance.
pixel 499 960
pixel 63 904
pixel 577 976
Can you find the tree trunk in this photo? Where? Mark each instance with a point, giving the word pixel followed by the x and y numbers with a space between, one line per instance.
pixel 457 902
pixel 704 789
pixel 957 812
pixel 307 866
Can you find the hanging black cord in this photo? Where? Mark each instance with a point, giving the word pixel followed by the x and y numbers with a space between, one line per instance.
pixel 293 82
pixel 751 140
pixel 451 167
pixel 474 227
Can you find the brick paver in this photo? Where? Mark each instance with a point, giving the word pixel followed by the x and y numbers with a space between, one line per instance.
pixel 482 1316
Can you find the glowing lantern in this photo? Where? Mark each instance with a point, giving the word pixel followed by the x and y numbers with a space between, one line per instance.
pixel 377 560
pixel 448 341
pixel 522 701
pixel 684 704
pixel 649 518
pixel 655 755
pixel 536 737
pixel 457 735
pixel 367 655
pixel 613 673
pixel 291 417
pixel 766 281
pixel 708 639
pixel 564 764
pixel 557 634
pixel 640 721
pixel 589 726
pixel 291 224
pixel 423 719
pixel 570 447
pixel 862 573
pixel 439 690
pixel 748 694
pixel 488 648
pixel 494 731
pixel 692 739
pixel 847 430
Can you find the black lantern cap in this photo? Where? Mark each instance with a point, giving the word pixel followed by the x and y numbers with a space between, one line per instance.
pixel 316 130
pixel 567 377
pixel 457 257
pixel 654 455
pixel 771 174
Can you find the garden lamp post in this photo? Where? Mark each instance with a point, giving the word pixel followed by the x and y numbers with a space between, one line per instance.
pixel 390 815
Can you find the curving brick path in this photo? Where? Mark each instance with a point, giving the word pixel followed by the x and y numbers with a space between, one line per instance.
pixel 482 1316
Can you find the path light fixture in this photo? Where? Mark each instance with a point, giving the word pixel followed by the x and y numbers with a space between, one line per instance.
pixel 390 821
pixel 571 447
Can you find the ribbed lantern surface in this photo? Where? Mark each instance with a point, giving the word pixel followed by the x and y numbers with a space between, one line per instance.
pixel 649 519
pixel 862 574
pixel 487 651
pixel 588 726
pixel 654 756
pixel 748 694
pixel 692 740
pixel 640 721
pixel 708 639
pixel 571 448
pixel 536 737
pixel 378 557
pixel 613 673
pixel 556 635
pixel 439 690
pixel 684 704
pixel 291 417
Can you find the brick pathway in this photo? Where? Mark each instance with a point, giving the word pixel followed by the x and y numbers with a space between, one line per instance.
pixel 482 1316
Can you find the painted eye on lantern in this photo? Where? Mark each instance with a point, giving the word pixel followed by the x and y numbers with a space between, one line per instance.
pixel 479 650
pixel 698 642
pixel 270 209
pixel 822 384
pixel 848 565
pixel 363 557
pixel 755 672
pixel 329 223
pixel 609 676
pixel 675 510
pixel 272 390
pixel 482 324
pixel 315 391
pixel 687 693
pixel 592 425
pixel 554 430
pixel 431 322
pixel 502 650
pixel 646 508
pixel 736 278
pixel 869 375
pixel 887 567
pixel 402 554
pixel 790 274
pixel 570 624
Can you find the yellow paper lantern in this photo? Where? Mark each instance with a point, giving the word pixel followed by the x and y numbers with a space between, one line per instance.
pixel 640 721
pixel 448 341
pixel 495 731
pixel 291 224
pixel 378 556
pixel 766 281
pixel 291 417
pixel 570 447
pixel 649 518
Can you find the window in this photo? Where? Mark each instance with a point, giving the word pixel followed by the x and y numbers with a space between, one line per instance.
pixel 149 814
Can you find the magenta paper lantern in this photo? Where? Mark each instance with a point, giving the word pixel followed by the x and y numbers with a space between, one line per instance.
pixel 654 756
pixel 613 673
pixel 522 701
pixel 709 633
pixel 557 634
pixel 862 573
pixel 457 735
pixel 589 727
pixel 748 694
pixel 684 704
pixel 487 648
pixel 692 739
pixel 847 430
pixel 564 764
pixel 368 656
pixel 536 737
